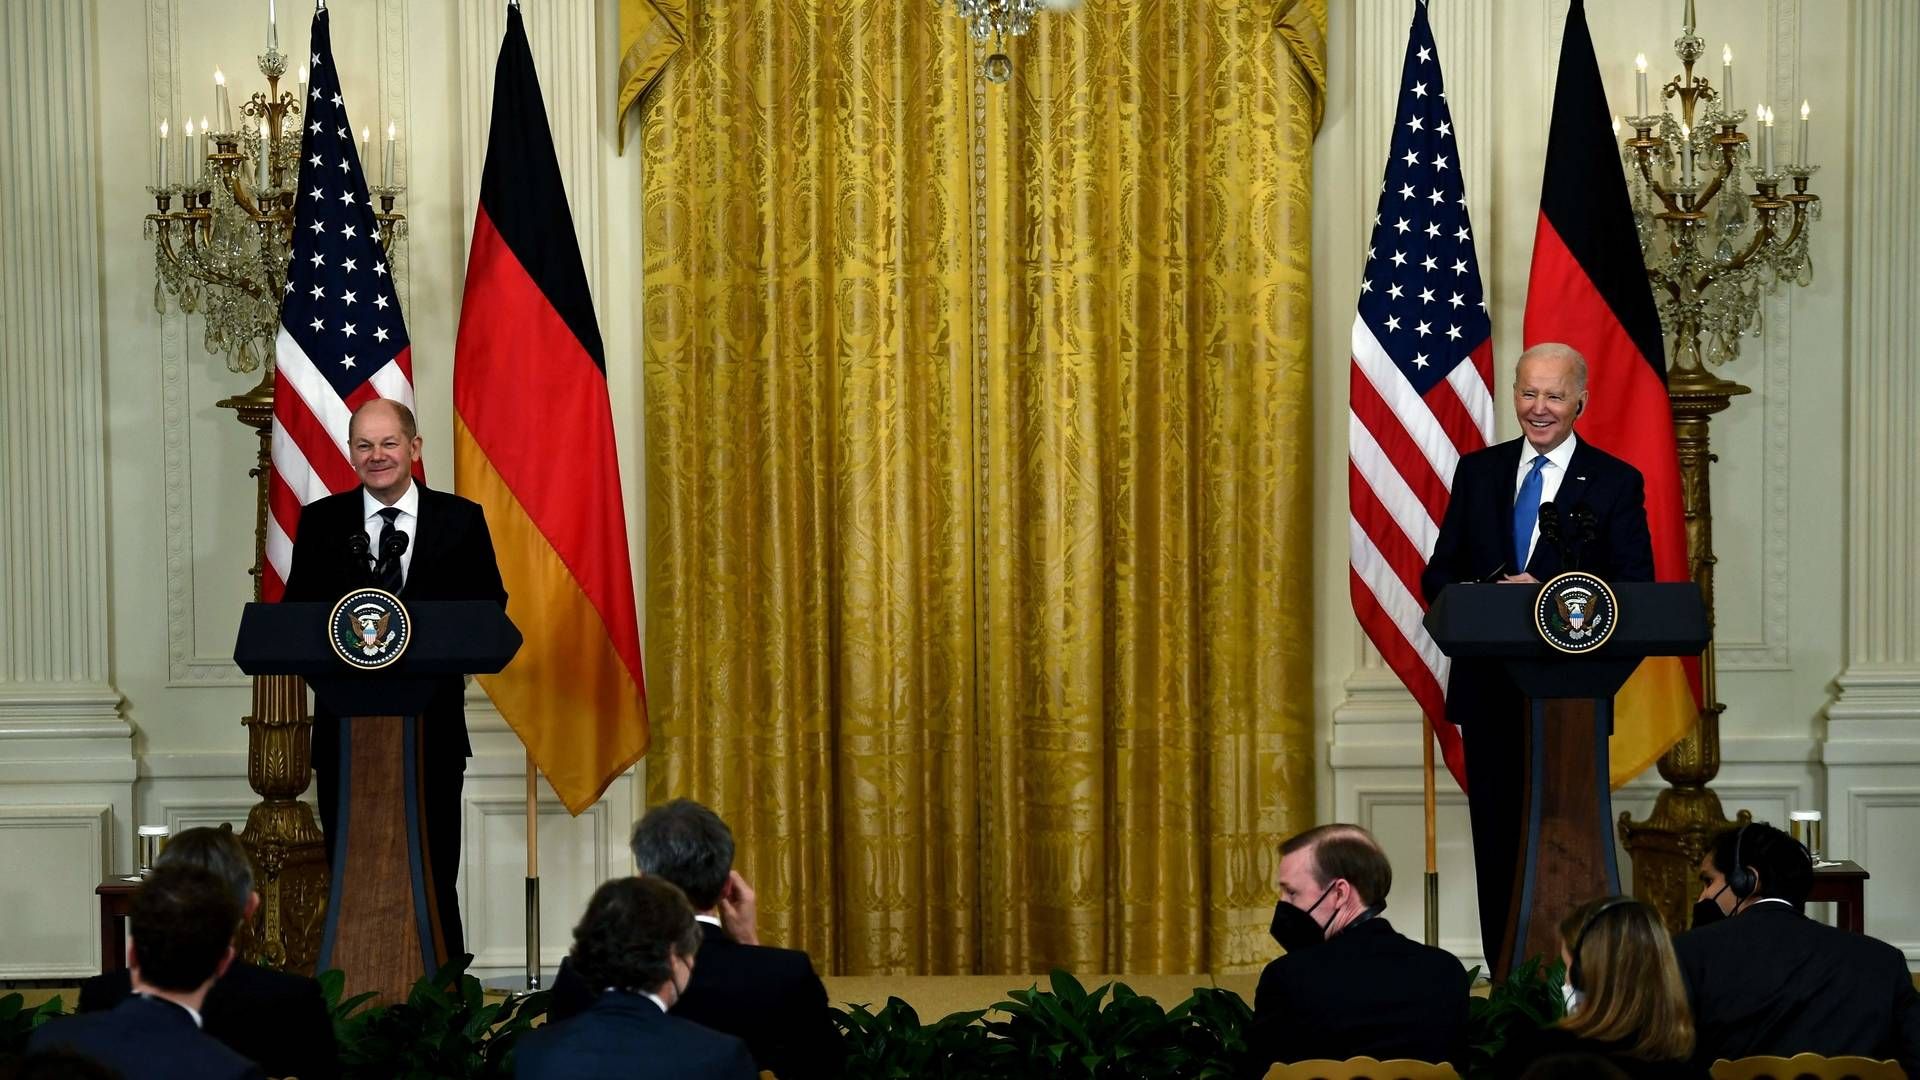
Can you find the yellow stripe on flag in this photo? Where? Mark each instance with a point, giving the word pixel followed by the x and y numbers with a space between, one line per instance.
pixel 566 694
pixel 1650 714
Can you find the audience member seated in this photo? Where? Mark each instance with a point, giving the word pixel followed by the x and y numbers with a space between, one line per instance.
pixel 1349 984
pixel 1766 980
pixel 1626 1001
pixel 275 1019
pixel 179 940
pixel 637 942
pixel 768 997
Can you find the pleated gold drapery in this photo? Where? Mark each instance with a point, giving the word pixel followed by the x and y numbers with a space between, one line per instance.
pixel 978 426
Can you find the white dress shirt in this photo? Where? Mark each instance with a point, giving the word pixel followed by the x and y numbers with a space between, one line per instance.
pixel 1551 474
pixel 408 522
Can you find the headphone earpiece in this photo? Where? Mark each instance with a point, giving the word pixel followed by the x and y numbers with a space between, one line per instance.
pixel 1580 939
pixel 1741 880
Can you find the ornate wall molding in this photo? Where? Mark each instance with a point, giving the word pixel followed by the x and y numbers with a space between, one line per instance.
pixel 53 538
pixel 67 846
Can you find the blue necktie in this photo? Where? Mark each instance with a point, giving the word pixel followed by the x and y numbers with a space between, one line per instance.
pixel 1526 513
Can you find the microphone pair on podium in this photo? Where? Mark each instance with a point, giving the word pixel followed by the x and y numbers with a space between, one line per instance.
pixel 392 546
pixel 1569 533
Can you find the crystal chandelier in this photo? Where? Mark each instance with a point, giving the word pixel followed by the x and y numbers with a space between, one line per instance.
pixel 223 254
pixel 996 20
pixel 1714 250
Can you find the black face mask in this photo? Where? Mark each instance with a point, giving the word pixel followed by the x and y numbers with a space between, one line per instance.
pixel 1708 910
pixel 1295 929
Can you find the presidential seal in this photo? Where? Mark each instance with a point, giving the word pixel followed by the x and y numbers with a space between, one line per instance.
pixel 369 629
pixel 1576 612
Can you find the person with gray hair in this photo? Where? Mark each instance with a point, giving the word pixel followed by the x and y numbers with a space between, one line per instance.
pixel 770 998
pixel 1501 498
pixel 273 1018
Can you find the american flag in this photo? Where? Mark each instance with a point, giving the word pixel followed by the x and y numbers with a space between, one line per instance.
pixel 342 341
pixel 1421 380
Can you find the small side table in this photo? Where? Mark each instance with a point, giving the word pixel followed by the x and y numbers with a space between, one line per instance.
pixel 1845 884
pixel 116 900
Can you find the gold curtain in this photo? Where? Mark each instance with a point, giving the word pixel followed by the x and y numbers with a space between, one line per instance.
pixel 977 443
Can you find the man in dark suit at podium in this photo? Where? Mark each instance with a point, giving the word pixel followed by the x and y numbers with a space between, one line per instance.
pixel 1763 979
pixel 276 1019
pixel 419 544
pixel 1492 532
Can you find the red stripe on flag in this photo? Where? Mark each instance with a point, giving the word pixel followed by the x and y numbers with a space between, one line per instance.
pixel 1445 404
pixel 315 442
pixel 1377 417
pixel 1406 663
pixel 514 403
pixel 1393 544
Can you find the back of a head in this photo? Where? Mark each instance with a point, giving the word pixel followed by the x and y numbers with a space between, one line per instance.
pixel 632 929
pixel 218 852
pixel 1785 869
pixel 687 844
pixel 1624 970
pixel 1349 852
pixel 182 922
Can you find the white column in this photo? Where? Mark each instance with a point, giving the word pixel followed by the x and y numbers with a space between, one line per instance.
pixel 54 669
pixel 1873 741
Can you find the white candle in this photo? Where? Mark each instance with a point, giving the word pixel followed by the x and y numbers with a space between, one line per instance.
pixel 386 176
pixel 206 138
pixel 1805 110
pixel 1616 127
pixel 220 100
pixel 1766 143
pixel 303 87
pixel 1726 77
pixel 165 148
pixel 265 148
pixel 366 147
pixel 186 155
pixel 1686 154
pixel 1640 82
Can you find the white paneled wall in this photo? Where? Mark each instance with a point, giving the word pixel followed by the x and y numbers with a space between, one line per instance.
pixel 128 529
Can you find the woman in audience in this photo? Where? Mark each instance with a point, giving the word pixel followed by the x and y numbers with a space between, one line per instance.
pixel 1626 1001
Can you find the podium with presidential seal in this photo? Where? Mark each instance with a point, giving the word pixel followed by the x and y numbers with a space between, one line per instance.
pixel 1568 645
pixel 372 661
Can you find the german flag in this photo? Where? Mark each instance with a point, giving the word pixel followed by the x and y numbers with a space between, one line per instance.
pixel 533 444
pixel 1589 289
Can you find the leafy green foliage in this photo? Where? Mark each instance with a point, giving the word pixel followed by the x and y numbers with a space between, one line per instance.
pixel 445 1029
pixel 17 1022
pixel 1529 998
pixel 893 1045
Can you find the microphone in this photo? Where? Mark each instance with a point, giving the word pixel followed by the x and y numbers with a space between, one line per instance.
pixel 1581 527
pixel 359 556
pixel 1550 528
pixel 392 546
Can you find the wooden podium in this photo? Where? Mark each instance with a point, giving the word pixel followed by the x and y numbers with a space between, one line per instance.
pixel 1566 850
pixel 382 926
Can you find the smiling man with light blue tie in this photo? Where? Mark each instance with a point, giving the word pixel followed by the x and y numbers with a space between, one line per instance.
pixel 1491 532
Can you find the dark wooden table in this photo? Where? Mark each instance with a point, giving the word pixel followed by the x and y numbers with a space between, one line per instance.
pixel 116 899
pixel 1845 885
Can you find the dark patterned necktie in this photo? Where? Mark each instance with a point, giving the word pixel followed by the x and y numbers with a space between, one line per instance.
pixel 390 578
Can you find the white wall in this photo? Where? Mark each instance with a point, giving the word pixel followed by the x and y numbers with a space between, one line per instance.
pixel 122 580
pixel 1782 485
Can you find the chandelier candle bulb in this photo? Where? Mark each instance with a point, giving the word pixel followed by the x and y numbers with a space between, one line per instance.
pixel 386 169
pixel 1640 82
pixel 1686 154
pixel 1800 158
pixel 303 86
pixel 165 147
pixel 366 146
pixel 1766 142
pixel 1726 77
pixel 265 146
pixel 220 100
pixel 186 155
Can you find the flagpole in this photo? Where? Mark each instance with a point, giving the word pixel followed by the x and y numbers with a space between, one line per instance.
pixel 533 876
pixel 1433 856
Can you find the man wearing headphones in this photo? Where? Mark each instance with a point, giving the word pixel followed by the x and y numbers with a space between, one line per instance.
pixel 1491 532
pixel 1765 979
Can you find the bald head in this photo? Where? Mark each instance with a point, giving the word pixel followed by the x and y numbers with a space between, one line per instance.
pixel 383 445
pixel 1563 358
pixel 384 407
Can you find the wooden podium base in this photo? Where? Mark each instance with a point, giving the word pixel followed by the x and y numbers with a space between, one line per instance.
pixel 382 926
pixel 1566 853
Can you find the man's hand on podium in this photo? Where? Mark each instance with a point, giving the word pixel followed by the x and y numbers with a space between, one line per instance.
pixel 738 912
pixel 1520 579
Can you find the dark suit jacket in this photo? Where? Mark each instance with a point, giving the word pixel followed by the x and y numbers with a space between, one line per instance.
pixel 1368 991
pixel 270 1017
pixel 1524 1048
pixel 1476 542
pixel 768 997
pixel 146 1039
pixel 1772 981
pixel 452 560
pixel 624 1035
